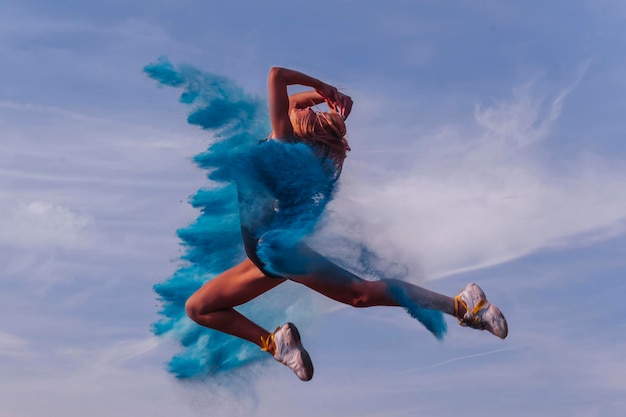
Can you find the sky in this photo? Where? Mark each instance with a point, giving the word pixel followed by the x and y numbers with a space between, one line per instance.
pixel 488 146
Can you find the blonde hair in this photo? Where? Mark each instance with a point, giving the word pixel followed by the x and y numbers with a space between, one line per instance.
pixel 324 131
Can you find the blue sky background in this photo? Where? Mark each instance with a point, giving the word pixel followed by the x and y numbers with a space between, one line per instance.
pixel 488 146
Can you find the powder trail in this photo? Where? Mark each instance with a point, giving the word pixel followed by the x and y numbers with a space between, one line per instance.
pixel 277 189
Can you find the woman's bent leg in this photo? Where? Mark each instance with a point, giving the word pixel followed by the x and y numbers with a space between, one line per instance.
pixel 212 305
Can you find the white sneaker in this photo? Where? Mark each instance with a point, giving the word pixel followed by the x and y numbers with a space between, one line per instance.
pixel 289 351
pixel 480 314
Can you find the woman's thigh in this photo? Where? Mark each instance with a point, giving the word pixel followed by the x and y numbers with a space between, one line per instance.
pixel 233 287
pixel 337 283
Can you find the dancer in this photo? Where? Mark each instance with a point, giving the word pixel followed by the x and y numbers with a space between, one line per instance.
pixel 279 207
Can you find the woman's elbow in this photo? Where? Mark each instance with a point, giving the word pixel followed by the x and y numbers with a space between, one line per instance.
pixel 276 73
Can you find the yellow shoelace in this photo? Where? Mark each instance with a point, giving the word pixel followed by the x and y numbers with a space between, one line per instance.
pixel 475 320
pixel 267 344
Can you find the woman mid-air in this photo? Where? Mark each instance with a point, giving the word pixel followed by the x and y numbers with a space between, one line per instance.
pixel 267 203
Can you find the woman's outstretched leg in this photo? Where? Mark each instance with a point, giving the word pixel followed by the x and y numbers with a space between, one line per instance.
pixel 329 279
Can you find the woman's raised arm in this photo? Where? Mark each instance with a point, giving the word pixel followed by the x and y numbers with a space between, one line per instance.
pixel 279 101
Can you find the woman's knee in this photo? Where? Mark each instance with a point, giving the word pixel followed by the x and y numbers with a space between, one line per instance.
pixel 363 294
pixel 196 308
pixel 191 308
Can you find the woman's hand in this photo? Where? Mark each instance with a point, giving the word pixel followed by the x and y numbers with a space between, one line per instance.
pixel 336 100
pixel 345 104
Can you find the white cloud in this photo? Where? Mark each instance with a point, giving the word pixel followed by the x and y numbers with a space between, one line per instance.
pixel 520 121
pixel 125 393
pixel 477 195
pixel 40 224
pixel 11 345
pixel 527 117
pixel 110 358
pixel 92 179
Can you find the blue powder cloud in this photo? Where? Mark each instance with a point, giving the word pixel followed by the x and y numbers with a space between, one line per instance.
pixel 213 242
pixel 242 169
